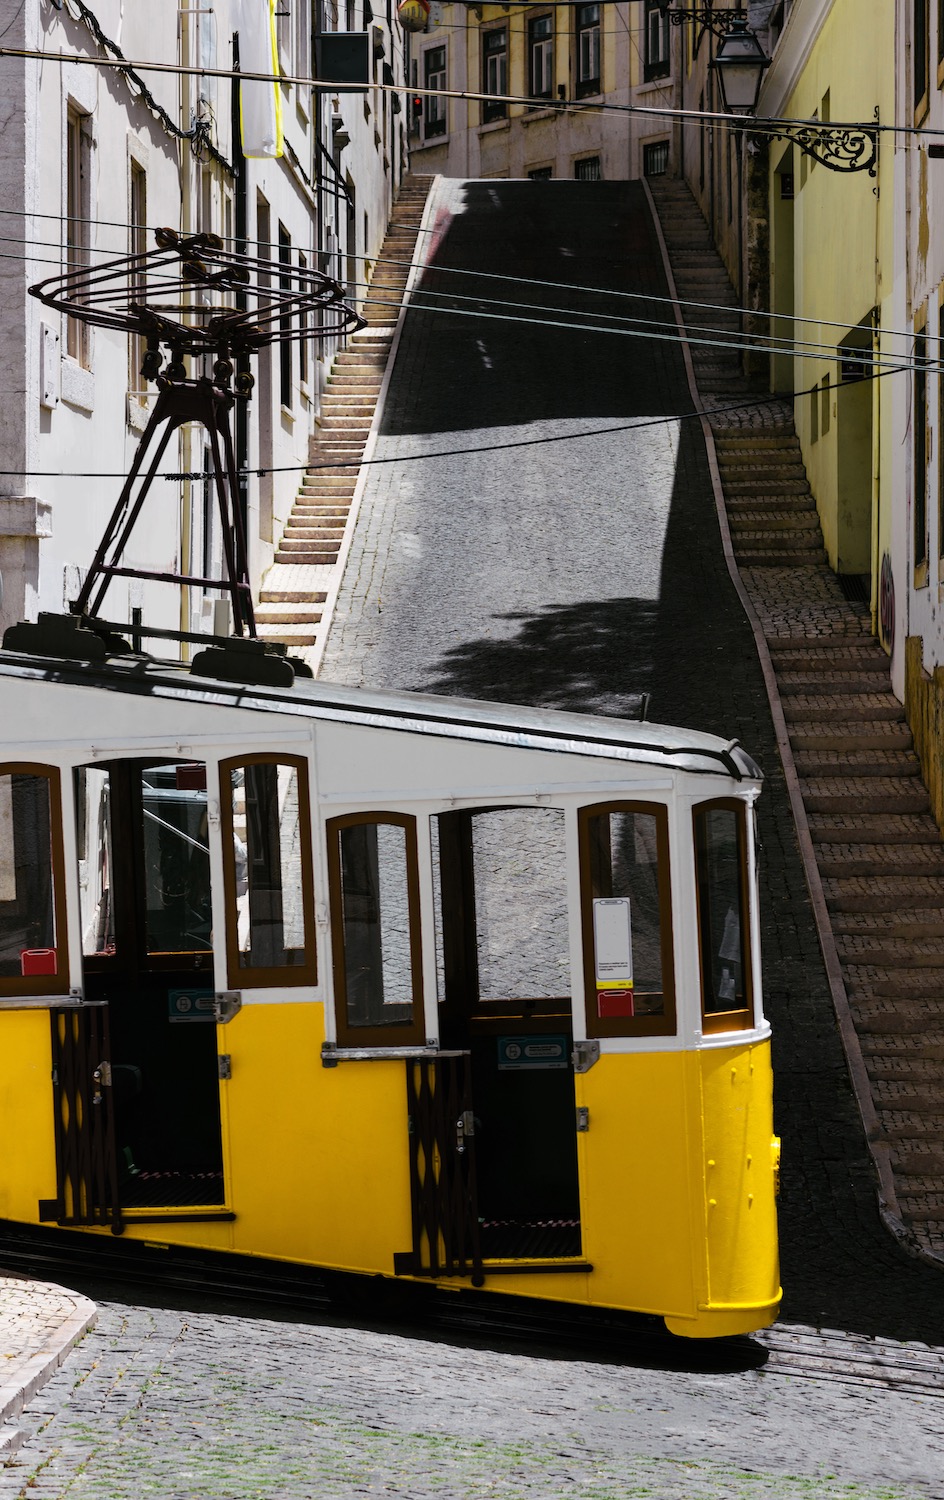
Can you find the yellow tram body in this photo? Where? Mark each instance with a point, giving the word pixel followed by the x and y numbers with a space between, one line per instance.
pixel 378 1103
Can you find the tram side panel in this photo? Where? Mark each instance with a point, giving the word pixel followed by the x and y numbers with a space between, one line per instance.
pixel 26 1112
pixel 320 1155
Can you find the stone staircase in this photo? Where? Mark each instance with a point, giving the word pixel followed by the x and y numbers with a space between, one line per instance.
pixel 878 849
pixel 295 587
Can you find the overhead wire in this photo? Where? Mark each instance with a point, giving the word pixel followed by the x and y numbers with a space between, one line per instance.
pixel 566 286
pixel 709 118
pixel 751 403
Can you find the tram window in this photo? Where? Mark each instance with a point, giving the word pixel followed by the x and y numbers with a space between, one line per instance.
pixel 178 916
pixel 267 866
pixel 519 862
pixel 721 864
pixel 32 918
pixel 627 920
pixel 93 831
pixel 375 929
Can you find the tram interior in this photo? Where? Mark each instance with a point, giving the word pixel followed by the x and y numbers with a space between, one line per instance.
pixel 504 993
pixel 147 944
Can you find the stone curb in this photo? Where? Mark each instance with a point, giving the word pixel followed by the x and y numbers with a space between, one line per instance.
pixel 39 1324
pixel 878 1146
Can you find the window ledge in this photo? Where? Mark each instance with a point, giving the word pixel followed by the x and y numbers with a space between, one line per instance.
pixel 491 126
pixel 653 85
pixel 78 385
pixel 546 112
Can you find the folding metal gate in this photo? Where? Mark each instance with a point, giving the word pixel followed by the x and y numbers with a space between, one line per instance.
pixel 86 1154
pixel 442 1169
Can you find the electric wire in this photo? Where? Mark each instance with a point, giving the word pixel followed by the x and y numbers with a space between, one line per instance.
pixel 773 342
pixel 748 404
pixel 423 265
pixel 744 124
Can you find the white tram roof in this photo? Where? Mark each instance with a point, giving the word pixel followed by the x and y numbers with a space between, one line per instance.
pixel 511 725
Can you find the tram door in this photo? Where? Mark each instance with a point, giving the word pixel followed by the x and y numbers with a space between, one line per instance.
pixel 505 995
pixel 147 945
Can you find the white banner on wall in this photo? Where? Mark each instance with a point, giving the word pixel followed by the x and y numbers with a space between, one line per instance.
pixel 260 107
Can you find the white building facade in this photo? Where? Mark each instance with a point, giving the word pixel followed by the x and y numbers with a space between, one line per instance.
pixel 91 166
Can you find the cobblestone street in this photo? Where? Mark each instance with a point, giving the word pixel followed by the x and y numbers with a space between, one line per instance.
pixel 158 1403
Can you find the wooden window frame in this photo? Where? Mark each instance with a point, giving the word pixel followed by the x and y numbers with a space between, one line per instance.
pixel 628 1026
pixel 413 1034
pixel 714 1023
pixel 494 107
pixel 240 977
pixel 534 42
pixel 588 88
pixel 58 983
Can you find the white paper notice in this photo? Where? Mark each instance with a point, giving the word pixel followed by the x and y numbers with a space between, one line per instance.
pixel 612 941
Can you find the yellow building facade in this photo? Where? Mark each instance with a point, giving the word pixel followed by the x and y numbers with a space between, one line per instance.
pixel 542 70
pixel 831 279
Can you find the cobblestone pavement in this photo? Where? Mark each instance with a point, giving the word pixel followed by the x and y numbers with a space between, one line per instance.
pixel 187 1406
pixel 572 574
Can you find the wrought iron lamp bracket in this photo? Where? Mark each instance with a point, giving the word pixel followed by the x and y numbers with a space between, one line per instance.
pixel 841 148
pixel 718 23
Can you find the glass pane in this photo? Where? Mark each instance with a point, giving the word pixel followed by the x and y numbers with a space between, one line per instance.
pixel 376 921
pixel 177 914
pixel 520 864
pixel 627 917
pixel 27 916
pixel 93 818
pixel 267 834
pixel 719 900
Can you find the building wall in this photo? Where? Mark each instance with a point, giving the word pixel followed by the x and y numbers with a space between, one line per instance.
pixel 68 415
pixel 832 271
pixel 544 138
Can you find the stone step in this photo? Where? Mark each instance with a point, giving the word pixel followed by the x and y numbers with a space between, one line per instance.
pixel 834 763
pixel 844 860
pixel 300 532
pixel 754 555
pixel 809 708
pixel 737 441
pixel 274 595
pixel 758 485
pixel 764 505
pixel 329 484
pixel 358 426
pixel 812 656
pixel 301 552
pixel 883 893
pixel 913 925
pixel 287 614
pixel 907 991
pixel 850 738
pixel 853 683
pixel 754 521
pixel 875 829
pixel 883 951
pixel 865 794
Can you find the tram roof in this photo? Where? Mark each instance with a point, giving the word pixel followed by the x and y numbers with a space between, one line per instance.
pixel 418 713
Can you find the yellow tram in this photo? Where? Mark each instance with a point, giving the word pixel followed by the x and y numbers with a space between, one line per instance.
pixel 385 983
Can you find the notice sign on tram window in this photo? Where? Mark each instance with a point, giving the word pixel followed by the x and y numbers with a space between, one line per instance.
pixel 532 1052
pixel 613 956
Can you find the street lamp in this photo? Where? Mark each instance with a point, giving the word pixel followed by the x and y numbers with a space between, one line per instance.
pixel 740 62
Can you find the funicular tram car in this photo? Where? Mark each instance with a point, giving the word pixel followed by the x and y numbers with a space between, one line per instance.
pixel 386 983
